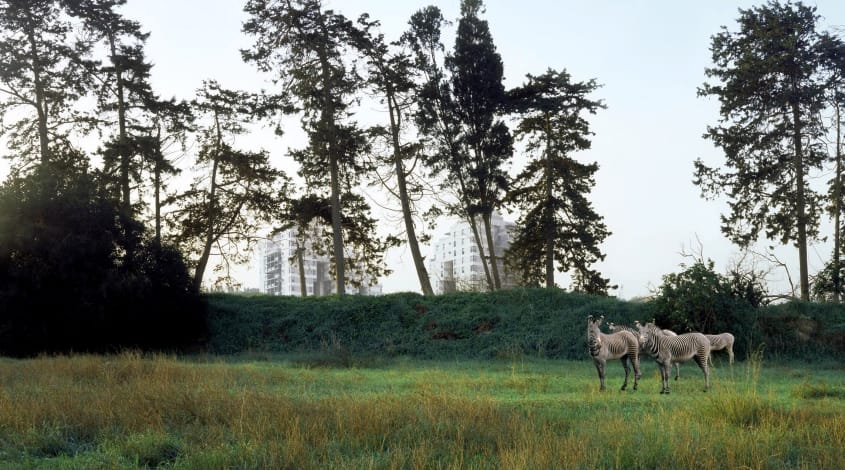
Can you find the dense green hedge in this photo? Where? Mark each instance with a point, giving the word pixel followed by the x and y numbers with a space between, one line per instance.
pixel 536 322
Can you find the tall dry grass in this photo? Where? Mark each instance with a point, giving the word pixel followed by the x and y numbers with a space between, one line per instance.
pixel 135 411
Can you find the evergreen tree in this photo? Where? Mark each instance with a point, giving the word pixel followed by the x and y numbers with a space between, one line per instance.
pixel 223 208
pixel 558 223
pixel 308 48
pixel 44 71
pixel 479 95
pixel 768 84
pixel 125 95
pixel 391 76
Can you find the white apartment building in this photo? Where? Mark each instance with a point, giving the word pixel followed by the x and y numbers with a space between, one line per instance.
pixel 455 262
pixel 279 271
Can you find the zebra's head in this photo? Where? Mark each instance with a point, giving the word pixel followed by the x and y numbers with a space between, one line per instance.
pixel 647 332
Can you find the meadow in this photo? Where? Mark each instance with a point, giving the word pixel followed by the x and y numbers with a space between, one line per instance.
pixel 323 411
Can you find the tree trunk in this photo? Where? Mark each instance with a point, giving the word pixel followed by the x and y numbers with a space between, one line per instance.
pixel 474 227
pixel 40 101
pixel 157 185
pixel 328 127
pixel 407 214
pixel 303 288
pixel 491 248
pixel 125 187
pixel 800 202
pixel 212 195
pixel 837 208
pixel 550 229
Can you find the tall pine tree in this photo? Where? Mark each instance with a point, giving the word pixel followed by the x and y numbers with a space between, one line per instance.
pixel 767 80
pixel 558 224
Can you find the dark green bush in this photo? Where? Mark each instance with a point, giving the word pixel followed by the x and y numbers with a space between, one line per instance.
pixel 499 325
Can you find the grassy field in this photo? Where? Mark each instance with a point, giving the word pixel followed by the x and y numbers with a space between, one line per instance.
pixel 134 411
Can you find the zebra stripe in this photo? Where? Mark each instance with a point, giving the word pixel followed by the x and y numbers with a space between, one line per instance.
pixel 622 345
pixel 722 341
pixel 681 348
pixel 614 327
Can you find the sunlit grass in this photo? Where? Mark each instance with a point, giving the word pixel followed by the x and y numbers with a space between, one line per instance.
pixel 134 411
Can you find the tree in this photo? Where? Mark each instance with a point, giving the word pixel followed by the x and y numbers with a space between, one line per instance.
pixel 124 89
pixel 440 123
pixel 62 234
pixel 44 71
pixel 307 48
pixel 222 209
pixel 770 92
pixel 305 214
pixel 479 94
pixel 700 299
pixel 390 74
pixel 558 222
pixel 834 54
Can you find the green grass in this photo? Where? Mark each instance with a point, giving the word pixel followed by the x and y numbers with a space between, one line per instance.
pixel 306 411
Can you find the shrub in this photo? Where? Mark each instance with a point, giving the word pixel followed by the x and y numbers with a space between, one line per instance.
pixel 78 275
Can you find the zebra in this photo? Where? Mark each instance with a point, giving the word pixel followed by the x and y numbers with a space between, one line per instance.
pixel 681 348
pixel 722 341
pixel 614 327
pixel 621 345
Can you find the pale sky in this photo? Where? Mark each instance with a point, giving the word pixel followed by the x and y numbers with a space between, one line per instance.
pixel 649 56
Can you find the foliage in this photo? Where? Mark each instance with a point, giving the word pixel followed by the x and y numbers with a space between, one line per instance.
pixel 558 223
pixel 44 71
pixel 67 283
pixel 534 322
pixel 222 210
pixel 699 299
pixel 308 49
pixel 770 90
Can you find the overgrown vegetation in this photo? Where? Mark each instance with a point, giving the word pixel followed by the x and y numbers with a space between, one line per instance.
pixel 77 274
pixel 133 411
pixel 504 324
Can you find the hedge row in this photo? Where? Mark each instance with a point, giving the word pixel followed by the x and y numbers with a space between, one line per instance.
pixel 536 322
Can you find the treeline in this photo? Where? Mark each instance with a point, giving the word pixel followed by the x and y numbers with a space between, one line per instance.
pixel 107 233
pixel 507 324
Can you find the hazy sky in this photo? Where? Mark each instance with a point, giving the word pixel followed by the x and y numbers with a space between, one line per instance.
pixel 649 56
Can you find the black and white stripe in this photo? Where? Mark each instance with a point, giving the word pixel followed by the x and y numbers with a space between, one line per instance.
pixel 621 345
pixel 681 348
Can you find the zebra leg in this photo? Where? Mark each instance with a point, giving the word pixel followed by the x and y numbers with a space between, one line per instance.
pixel 731 354
pixel 704 368
pixel 665 372
pixel 677 371
pixel 627 371
pixel 600 369
pixel 637 373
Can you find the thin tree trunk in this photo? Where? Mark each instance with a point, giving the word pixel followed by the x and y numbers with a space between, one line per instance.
pixel 837 208
pixel 303 288
pixel 800 202
pixel 40 101
pixel 491 248
pixel 328 126
pixel 474 227
pixel 407 213
pixel 210 223
pixel 550 229
pixel 125 187
pixel 157 185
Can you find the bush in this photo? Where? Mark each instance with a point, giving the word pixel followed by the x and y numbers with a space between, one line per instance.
pixel 77 275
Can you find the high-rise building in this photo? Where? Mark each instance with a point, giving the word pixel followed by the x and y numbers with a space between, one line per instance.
pixel 455 262
pixel 279 270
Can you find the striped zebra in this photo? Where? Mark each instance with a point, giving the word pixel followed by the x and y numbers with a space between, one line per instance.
pixel 621 345
pixel 681 348
pixel 614 327
pixel 722 341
